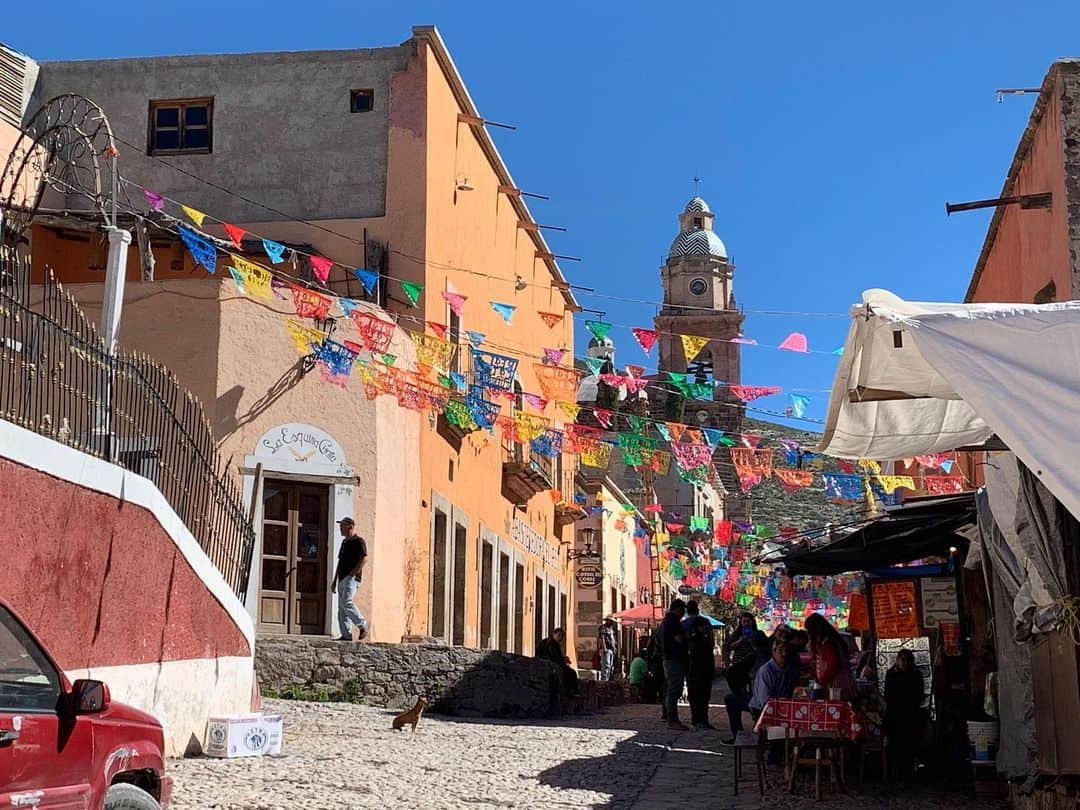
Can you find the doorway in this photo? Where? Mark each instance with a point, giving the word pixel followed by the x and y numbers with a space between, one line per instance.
pixel 293 567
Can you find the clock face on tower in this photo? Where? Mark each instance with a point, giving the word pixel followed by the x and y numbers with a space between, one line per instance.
pixel 698 286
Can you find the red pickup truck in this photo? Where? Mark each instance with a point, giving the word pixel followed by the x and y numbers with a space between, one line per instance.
pixel 68 745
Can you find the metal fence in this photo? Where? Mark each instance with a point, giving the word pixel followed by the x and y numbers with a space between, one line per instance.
pixel 57 380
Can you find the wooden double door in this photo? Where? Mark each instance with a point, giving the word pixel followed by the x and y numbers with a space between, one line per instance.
pixel 294 564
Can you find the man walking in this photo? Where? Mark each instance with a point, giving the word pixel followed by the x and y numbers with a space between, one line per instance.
pixel 676 658
pixel 702 670
pixel 607 645
pixel 350 569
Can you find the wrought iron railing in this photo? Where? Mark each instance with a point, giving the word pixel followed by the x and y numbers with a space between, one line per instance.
pixel 57 380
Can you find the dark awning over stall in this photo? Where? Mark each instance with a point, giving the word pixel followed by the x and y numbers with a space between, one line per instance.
pixel 927 527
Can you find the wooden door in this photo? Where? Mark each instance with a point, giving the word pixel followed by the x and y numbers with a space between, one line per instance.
pixel 293 574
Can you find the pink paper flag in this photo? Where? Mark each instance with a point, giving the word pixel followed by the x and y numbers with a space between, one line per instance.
pixel 745 341
pixel 553 356
pixel 603 416
pixel 795 342
pixel 455 300
pixel 320 266
pixel 157 202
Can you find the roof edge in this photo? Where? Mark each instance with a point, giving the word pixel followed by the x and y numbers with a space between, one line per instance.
pixel 430 35
pixel 1022 149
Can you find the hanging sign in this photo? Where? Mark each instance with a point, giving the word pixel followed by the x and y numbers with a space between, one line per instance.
pixel 939 601
pixel 589 575
pixel 895 615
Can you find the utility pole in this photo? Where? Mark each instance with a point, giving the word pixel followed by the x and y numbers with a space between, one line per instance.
pixel 112 304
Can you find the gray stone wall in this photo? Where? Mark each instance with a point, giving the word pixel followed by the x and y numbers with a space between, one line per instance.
pixel 1070 113
pixel 282 130
pixel 455 680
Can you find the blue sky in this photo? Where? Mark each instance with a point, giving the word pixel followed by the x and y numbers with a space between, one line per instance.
pixel 827 141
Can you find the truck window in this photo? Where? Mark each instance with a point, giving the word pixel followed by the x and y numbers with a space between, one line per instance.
pixel 28 680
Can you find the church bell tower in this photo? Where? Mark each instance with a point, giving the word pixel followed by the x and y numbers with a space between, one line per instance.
pixel 699 300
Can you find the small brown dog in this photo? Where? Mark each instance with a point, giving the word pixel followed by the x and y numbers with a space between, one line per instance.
pixel 412 716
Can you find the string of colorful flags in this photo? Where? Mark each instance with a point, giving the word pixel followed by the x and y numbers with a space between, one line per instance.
pixel 496 373
pixel 200 243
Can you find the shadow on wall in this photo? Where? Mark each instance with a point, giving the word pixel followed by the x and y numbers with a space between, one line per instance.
pixel 228 420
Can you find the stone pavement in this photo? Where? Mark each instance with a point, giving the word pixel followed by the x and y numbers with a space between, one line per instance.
pixel 344 756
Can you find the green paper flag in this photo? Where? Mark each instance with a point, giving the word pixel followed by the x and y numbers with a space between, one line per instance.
pixel 412 291
pixel 638 424
pixel 598 328
pixel 388 359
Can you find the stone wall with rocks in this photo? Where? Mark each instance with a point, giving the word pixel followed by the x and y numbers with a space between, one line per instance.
pixel 455 680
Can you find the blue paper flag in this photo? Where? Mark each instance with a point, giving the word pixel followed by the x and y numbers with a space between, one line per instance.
pixel 275 251
pixel 369 278
pixel 475 338
pixel 799 403
pixel 459 381
pixel 492 370
pixel 662 429
pixel 843 486
pixel 839 352
pixel 946 467
pixel 712 435
pixel 505 310
pixel 348 305
pixel 202 250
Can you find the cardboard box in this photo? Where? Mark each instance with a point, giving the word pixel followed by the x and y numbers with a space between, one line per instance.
pixel 244 735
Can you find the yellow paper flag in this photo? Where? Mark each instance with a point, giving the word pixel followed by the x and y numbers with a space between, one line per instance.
pixel 692 345
pixel 195 216
pixel 304 337
pixel 568 409
pixel 256 278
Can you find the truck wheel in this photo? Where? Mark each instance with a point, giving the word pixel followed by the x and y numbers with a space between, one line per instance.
pixel 129 797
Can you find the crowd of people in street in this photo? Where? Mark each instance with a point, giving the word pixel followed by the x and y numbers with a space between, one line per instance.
pixel 679 660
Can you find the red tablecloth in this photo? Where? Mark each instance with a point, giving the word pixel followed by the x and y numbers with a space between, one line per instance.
pixel 811 715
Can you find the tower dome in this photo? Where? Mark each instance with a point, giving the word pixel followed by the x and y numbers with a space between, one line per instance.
pixel 696 236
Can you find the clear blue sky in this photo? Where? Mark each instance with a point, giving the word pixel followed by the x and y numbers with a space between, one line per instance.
pixel 828 139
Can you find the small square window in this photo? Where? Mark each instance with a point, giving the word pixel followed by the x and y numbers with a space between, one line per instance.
pixel 181 125
pixel 361 101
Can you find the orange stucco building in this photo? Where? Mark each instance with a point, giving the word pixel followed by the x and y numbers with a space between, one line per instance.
pixel 376 159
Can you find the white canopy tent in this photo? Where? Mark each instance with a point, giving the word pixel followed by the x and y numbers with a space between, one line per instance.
pixel 918 378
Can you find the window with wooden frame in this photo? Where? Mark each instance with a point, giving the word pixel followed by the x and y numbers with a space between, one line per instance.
pixel 181 126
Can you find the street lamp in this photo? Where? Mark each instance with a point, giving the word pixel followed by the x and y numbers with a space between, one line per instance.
pixel 588 533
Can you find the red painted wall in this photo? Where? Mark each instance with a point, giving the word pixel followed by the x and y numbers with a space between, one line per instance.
pixel 100 581
pixel 1031 247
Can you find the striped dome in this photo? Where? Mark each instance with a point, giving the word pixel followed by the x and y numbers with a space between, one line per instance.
pixel 699 242
pixel 697 206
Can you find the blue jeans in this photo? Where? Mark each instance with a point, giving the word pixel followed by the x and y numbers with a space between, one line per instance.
pixel 607 664
pixel 674 675
pixel 348 613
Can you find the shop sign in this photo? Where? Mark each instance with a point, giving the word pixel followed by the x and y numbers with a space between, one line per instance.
pixel 589 575
pixel 535 543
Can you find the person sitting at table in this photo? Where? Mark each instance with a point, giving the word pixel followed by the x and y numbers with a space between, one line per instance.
pixel 903 711
pixel 774 680
pixel 830 662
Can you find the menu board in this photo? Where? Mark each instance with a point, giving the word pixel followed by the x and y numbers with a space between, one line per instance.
pixel 895 613
pixel 939 604
pixel 858 615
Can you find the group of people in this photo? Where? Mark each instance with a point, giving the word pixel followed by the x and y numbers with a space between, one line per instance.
pixel 681 653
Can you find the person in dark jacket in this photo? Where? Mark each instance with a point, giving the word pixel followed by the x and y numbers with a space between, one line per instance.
pixel 654 674
pixel 903 711
pixel 702 668
pixel 551 649
pixel 676 659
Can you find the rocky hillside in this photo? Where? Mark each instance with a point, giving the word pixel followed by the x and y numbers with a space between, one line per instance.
pixel 804 508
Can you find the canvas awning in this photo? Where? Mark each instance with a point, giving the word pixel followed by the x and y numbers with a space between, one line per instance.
pixel 918 378
pixel 924 528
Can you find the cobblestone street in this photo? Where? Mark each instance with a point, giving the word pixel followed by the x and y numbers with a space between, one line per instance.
pixel 343 756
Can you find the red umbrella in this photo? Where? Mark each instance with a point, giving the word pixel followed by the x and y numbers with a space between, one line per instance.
pixel 644 614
